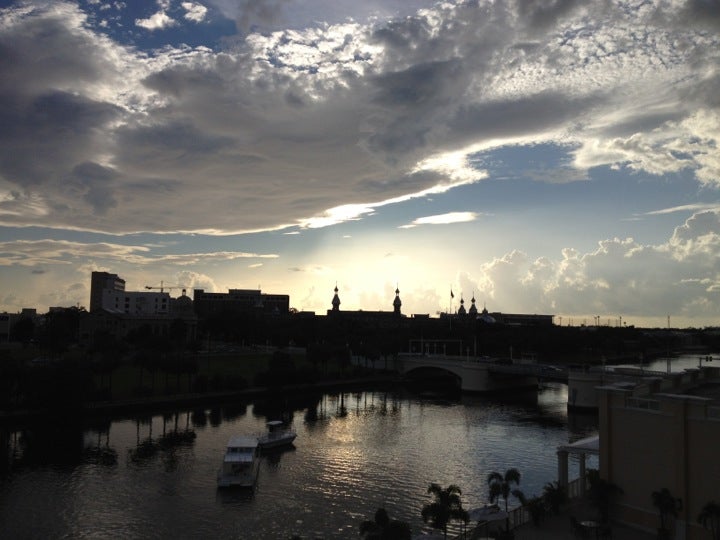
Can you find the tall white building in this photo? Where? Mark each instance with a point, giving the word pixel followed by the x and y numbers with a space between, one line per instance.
pixel 135 302
pixel 99 283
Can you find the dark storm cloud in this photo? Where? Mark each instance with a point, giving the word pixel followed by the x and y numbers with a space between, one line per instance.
pixel 96 182
pixel 403 35
pixel 262 13
pixel 43 136
pixel 421 84
pixel 177 81
pixel 511 118
pixel 541 16
pixel 418 96
pixel 702 12
pixel 180 140
pixel 38 52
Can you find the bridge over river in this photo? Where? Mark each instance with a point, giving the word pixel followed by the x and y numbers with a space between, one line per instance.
pixel 481 374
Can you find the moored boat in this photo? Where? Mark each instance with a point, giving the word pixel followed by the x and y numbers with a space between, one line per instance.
pixel 241 463
pixel 278 434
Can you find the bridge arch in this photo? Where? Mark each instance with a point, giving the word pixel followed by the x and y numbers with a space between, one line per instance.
pixel 475 375
pixel 438 376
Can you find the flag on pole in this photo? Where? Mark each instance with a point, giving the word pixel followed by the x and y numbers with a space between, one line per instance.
pixel 451 294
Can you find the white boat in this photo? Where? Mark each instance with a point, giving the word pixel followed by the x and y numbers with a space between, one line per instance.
pixel 278 434
pixel 241 463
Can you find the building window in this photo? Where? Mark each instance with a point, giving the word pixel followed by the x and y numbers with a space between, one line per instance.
pixel 643 403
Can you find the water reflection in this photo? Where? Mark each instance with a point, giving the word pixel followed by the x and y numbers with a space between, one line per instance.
pixel 355 451
pixel 46 444
pixel 273 456
pixel 235 496
pixel 97 451
pixel 148 447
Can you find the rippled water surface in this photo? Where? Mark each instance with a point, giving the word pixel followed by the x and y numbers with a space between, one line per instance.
pixel 354 452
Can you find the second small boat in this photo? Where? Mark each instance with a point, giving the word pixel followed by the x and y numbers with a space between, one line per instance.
pixel 278 434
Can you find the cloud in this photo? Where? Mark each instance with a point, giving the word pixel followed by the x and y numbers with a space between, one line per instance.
pixel 442 219
pixel 196 280
pixel 194 12
pixel 39 252
pixel 311 269
pixel 74 294
pixel 615 278
pixel 322 124
pixel 683 208
pixel 161 19
pixel 156 21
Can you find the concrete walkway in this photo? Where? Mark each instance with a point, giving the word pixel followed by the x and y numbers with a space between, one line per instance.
pixel 560 528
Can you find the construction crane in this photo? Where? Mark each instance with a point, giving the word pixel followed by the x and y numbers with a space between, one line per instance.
pixel 163 287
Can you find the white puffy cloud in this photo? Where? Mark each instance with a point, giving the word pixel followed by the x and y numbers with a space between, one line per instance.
pixel 196 280
pixel 194 12
pixel 156 21
pixel 679 277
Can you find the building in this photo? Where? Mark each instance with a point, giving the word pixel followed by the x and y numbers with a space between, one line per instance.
pixel 135 302
pixel 8 321
pixel 661 433
pixel 101 282
pixel 115 311
pixel 379 319
pixel 522 319
pixel 240 301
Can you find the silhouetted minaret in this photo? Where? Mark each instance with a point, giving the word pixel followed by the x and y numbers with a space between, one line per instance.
pixel 473 307
pixel 336 300
pixel 397 303
pixel 461 311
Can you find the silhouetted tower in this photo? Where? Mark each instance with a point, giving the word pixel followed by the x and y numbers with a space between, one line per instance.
pixel 397 303
pixel 473 307
pixel 462 311
pixel 336 300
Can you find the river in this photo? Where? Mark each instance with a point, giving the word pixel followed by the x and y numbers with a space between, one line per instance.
pixel 154 476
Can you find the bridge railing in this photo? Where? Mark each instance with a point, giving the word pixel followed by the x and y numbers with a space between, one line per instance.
pixel 537 370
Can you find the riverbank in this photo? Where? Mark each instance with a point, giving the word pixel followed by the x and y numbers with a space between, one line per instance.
pixel 154 404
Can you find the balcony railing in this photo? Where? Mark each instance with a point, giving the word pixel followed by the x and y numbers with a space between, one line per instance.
pixel 643 403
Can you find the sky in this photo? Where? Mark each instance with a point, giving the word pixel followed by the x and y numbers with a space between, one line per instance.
pixel 551 157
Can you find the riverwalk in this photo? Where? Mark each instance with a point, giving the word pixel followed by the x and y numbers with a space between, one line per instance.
pixel 560 527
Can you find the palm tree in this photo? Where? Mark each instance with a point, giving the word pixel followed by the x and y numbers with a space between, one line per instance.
pixel 501 486
pixel 445 508
pixel 554 495
pixel 537 509
pixel 383 528
pixel 709 518
pixel 601 493
pixel 667 506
